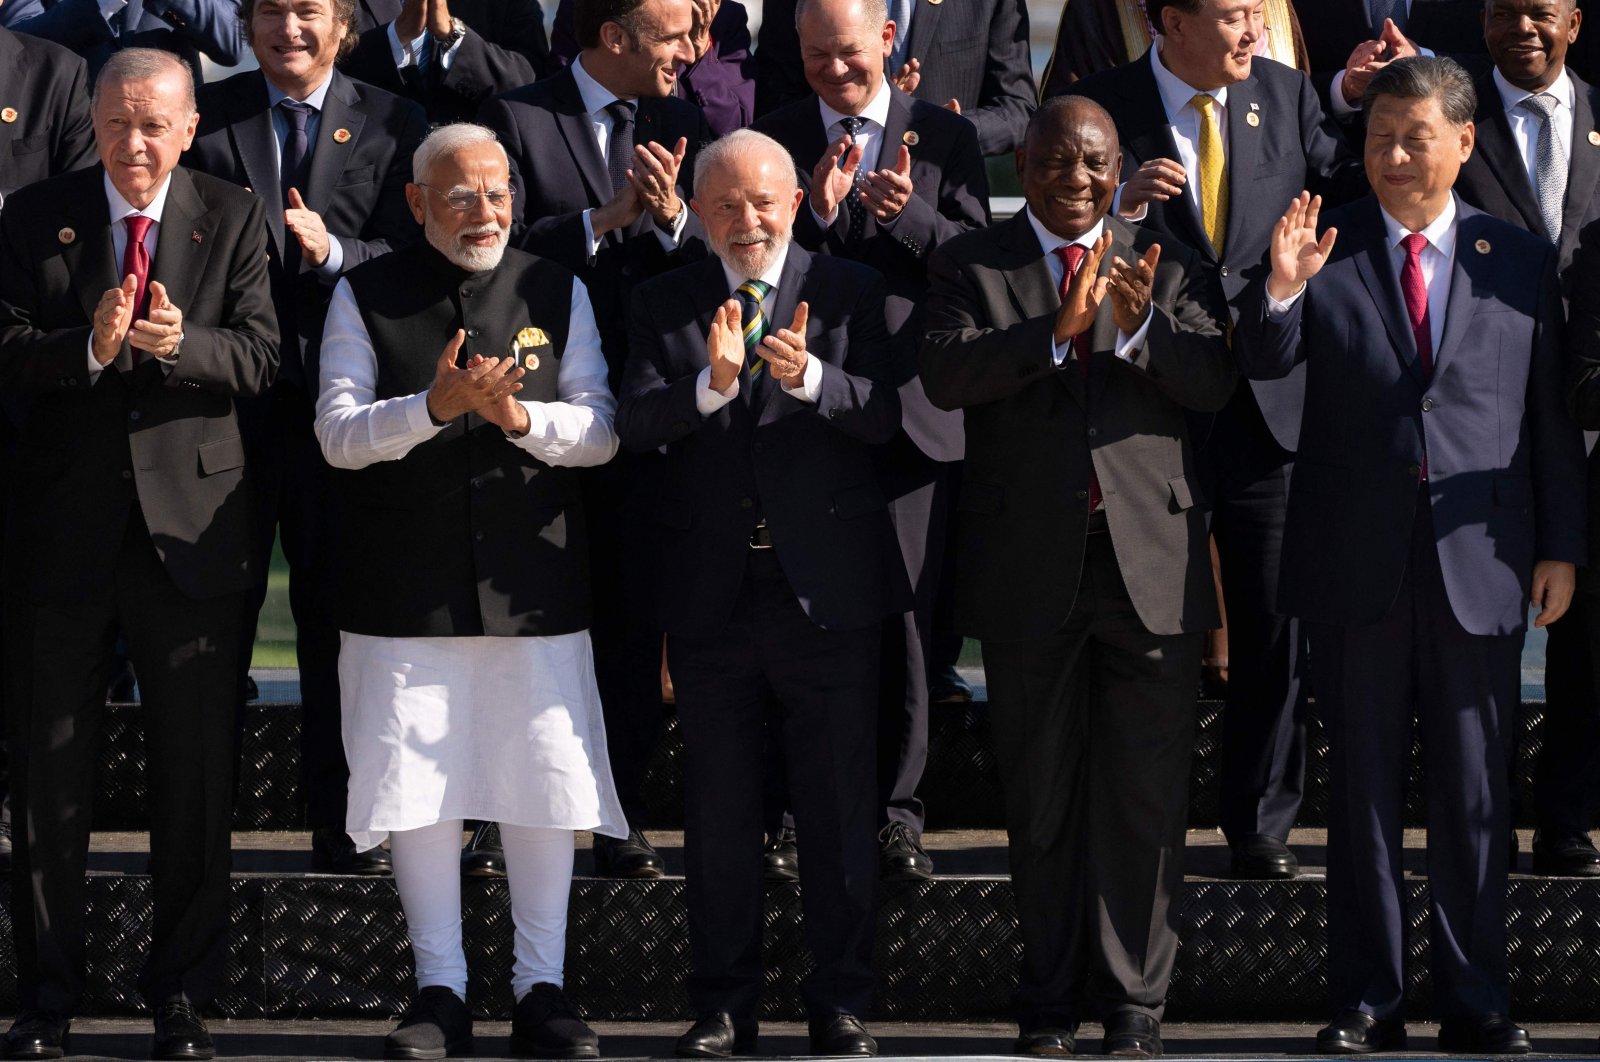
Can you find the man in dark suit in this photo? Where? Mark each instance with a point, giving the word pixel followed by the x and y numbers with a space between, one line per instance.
pixel 1439 489
pixel 335 197
pixel 131 509
pixel 1211 141
pixel 600 155
pixel 1075 343
pixel 765 374
pixel 450 56
pixel 922 181
pixel 97 30
pixel 1385 30
pixel 972 58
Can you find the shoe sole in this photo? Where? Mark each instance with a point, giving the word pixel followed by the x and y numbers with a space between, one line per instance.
pixel 60 1052
pixel 1278 875
pixel 647 874
pixel 1042 1052
pixel 740 1047
pixel 482 872
pixel 196 1055
pixel 1347 1047
pixel 455 1050
pixel 526 1049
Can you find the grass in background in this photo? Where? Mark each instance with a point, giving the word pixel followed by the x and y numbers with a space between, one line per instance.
pixel 275 630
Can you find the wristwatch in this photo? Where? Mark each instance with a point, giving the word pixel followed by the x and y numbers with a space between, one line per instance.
pixel 458 29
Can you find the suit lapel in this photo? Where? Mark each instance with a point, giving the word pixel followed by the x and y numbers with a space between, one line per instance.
pixel 256 144
pixel 1149 136
pixel 573 121
pixel 1499 151
pixel 1375 263
pixel 924 28
pixel 1468 274
pixel 780 314
pixel 329 156
pixel 1244 148
pixel 1033 286
pixel 91 257
pixel 184 243
pixel 1583 171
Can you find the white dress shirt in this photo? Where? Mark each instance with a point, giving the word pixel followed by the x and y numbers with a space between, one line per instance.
pixel 708 401
pixel 1183 120
pixel 1525 125
pixel 875 115
pixel 1127 345
pixel 334 263
pixel 409 53
pixel 596 98
pixel 120 211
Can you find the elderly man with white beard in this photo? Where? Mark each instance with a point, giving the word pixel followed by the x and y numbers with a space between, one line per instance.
pixel 764 372
pixel 463 600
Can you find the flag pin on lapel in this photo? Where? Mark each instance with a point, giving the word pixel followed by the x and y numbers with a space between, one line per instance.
pixel 66 235
pixel 1482 247
pixel 341 136
pixel 194 235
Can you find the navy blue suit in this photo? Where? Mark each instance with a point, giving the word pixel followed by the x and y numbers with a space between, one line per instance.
pixel 1415 595
pixel 191 28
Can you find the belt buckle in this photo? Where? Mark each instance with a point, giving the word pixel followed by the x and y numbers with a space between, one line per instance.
pixel 761 537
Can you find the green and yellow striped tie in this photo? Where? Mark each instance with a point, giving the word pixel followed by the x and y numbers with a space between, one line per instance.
pixel 750 295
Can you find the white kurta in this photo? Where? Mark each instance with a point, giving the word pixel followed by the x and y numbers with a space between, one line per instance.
pixel 500 729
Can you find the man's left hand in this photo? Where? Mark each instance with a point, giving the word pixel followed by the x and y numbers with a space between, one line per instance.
pixel 1130 289
pixel 784 350
pixel 505 413
pixel 439 22
pixel 909 76
pixel 1553 585
pixel 887 192
pixel 308 228
pixel 160 332
pixel 655 178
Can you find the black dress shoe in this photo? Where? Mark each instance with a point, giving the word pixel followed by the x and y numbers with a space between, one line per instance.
pixel 780 859
pixel 948 687
pixel 901 855
pixel 718 1035
pixel 333 852
pixel 483 857
pixel 1565 855
pixel 1355 1032
pixel 1485 1034
pixel 633 857
pixel 38 1034
pixel 1130 1034
pixel 841 1034
pixel 1262 856
pixel 1047 1041
pixel 545 1024
pixel 436 1024
pixel 181 1032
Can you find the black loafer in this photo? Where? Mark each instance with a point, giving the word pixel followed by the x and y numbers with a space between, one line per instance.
pixel 718 1035
pixel 841 1034
pixel 333 852
pixel 948 687
pixel 633 857
pixel 1264 857
pixel 483 857
pixel 181 1033
pixel 1355 1032
pixel 1484 1034
pixel 38 1034
pixel 1130 1034
pixel 1565 855
pixel 436 1025
pixel 780 859
pixel 545 1024
pixel 901 856
pixel 1047 1041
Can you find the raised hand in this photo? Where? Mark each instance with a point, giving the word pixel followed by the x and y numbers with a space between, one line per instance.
pixel 830 181
pixel 482 383
pixel 439 18
pixel 784 350
pixel 506 413
pixel 1130 287
pixel 654 178
pixel 162 328
pixel 700 26
pixel 412 20
pixel 725 346
pixel 1084 294
pixel 886 192
pixel 620 211
pixel 909 76
pixel 1297 254
pixel 1158 180
pixel 112 316
pixel 952 104
pixel 308 228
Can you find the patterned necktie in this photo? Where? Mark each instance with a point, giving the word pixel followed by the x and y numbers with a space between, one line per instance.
pixel 1072 256
pixel 853 206
pixel 1213 173
pixel 136 260
pixel 1550 166
pixel 1378 10
pixel 900 12
pixel 750 295
pixel 619 152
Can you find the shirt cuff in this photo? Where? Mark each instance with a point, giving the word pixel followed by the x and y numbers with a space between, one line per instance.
pixel 708 401
pixel 1116 207
pixel 1128 346
pixel 95 368
pixel 418 419
pixel 671 238
pixel 825 222
pixel 591 246
pixel 1059 352
pixel 334 263
pixel 446 57
pixel 405 52
pixel 1341 107
pixel 1276 309
pixel 109 8
pixel 809 389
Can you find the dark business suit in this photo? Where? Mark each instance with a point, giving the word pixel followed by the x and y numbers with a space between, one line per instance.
pixel 1092 655
pixel 190 28
pixel 46 85
pixel 1333 28
pixel 917 467
pixel 1247 450
pixel 976 53
pixel 131 509
pixel 505 48
pixel 794 626
pixel 357 184
pixel 1415 595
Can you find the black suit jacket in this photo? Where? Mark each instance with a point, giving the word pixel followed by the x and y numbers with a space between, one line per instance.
pixel 46 85
pixel 951 197
pixel 1292 147
pixel 505 48
pixel 806 468
pixel 973 52
pixel 166 439
pixel 209 27
pixel 358 185
pixel 1034 432
pixel 1333 28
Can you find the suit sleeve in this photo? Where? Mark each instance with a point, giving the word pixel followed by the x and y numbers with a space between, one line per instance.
pixel 211 25
pixel 1332 170
pixel 1583 332
pixel 33 360
pixel 963 202
pixel 656 410
pixel 1265 347
pixel 857 397
pixel 1559 463
pixel 519 55
pixel 722 82
pixel 75 24
pixel 1007 97
pixel 74 133
pixel 1185 353
pixel 238 356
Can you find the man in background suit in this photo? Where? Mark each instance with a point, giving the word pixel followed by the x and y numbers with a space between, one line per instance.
pixel 1389 30
pixel 1075 343
pixel 450 56
pixel 1212 140
pixel 888 179
pixel 329 158
pixel 97 30
pixel 1439 490
pixel 765 374
pixel 134 309
pixel 600 156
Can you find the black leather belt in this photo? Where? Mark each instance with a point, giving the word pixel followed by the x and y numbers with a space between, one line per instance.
pixel 761 538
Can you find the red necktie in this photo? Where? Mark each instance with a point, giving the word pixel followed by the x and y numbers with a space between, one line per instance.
pixel 1072 256
pixel 1416 293
pixel 136 260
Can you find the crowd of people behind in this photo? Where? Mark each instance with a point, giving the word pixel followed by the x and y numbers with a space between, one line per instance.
pixel 583 373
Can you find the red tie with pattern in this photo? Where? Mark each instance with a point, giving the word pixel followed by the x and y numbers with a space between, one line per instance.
pixel 136 260
pixel 1416 293
pixel 1072 256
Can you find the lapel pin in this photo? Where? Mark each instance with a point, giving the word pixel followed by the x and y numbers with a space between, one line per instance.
pixel 1252 119
pixel 1255 106
pixel 530 362
pixel 341 136
pixel 195 235
pixel 910 139
pixel 1594 137
pixel 1482 247
pixel 8 115
pixel 66 235
pixel 935 3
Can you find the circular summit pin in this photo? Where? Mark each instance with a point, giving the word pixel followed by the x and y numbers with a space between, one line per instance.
pixel 66 235
pixel 8 115
pixel 911 139
pixel 1482 247
pixel 530 362
pixel 1252 119
pixel 1594 137
pixel 341 136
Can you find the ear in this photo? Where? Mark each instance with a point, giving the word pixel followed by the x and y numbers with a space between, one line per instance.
pixel 1577 22
pixel 613 38
pixel 188 131
pixel 1469 139
pixel 889 31
pixel 694 205
pixel 1021 156
pixel 416 197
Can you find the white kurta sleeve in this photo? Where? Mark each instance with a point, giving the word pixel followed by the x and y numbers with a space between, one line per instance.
pixel 576 429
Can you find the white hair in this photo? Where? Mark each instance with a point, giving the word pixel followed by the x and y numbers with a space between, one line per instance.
pixel 446 140
pixel 742 142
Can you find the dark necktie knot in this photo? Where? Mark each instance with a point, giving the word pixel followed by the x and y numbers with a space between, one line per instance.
pixel 852 126
pixel 621 110
pixel 298 113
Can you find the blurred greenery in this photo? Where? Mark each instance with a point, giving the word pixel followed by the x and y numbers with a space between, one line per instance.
pixel 275 629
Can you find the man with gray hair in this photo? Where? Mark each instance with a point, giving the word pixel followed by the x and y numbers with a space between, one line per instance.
pixel 764 374
pixel 462 384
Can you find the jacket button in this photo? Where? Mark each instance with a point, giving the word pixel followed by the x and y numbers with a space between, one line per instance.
pixel 1414 471
pixel 127 473
pixel 681 426
pixel 466 293
pixel 1427 404
pixel 474 333
pixel 1093 432
pixel 134 416
pixel 759 447
pixel 1224 271
pixel 477 536
pixel 1083 495
pixel 833 414
pixel 746 503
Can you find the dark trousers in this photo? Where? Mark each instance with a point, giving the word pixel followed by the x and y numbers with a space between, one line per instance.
pixel 1462 689
pixel 59 659
pixel 1094 728
pixel 1263 721
pixel 290 480
pixel 820 686
pixel 1569 759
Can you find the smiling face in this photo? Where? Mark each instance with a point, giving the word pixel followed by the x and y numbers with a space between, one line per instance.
pixel 296 42
pixel 1528 39
pixel 474 239
pixel 1069 165
pixel 842 52
pixel 140 129
pixel 747 203
pixel 646 62
pixel 1213 47
pixel 1413 154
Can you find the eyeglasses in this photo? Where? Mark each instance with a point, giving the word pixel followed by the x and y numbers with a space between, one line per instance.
pixel 462 200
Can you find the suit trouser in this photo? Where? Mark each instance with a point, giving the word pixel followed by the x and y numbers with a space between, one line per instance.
pixel 822 685
pixel 1094 729
pixel 290 481
pixel 1263 722
pixel 1462 689
pixel 59 663
pixel 1569 759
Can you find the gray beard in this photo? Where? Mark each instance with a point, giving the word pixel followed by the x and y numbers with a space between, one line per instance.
pixel 472 259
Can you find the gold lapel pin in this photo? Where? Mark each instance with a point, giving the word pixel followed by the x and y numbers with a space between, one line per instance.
pixel 1252 119
pixel 8 115
pixel 66 235
pixel 1594 137
pixel 1482 247
pixel 530 362
pixel 341 136
pixel 910 139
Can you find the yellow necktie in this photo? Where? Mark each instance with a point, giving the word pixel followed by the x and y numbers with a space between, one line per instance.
pixel 1213 174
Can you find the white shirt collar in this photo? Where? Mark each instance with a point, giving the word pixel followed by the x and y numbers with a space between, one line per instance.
pixel 770 277
pixel 1177 94
pixel 1441 232
pixel 1049 241
pixel 595 95
pixel 1561 88
pixel 314 98
pixel 121 208
pixel 876 110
